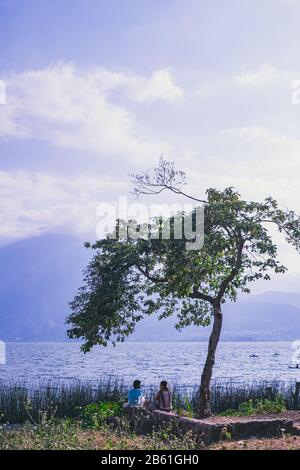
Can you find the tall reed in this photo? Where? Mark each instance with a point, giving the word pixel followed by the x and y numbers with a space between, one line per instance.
pixel 20 402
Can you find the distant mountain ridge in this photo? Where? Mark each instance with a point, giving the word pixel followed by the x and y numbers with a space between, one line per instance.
pixel 290 298
pixel 242 321
pixel 40 276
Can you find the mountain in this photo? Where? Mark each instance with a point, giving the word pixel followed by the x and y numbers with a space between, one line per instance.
pixel 290 298
pixel 243 321
pixel 39 276
pixel 262 320
pixel 271 316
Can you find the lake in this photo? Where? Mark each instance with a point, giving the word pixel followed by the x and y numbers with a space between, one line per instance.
pixel 177 362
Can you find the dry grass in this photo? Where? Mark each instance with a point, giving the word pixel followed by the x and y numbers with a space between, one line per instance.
pixel 69 436
pixel 96 440
pixel 72 437
pixel 281 443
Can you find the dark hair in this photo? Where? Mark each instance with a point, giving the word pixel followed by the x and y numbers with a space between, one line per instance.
pixel 137 384
pixel 164 384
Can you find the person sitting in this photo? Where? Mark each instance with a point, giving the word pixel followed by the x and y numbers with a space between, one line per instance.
pixel 163 397
pixel 135 395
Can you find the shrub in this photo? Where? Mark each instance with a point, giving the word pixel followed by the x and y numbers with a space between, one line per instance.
pixel 96 414
pixel 252 407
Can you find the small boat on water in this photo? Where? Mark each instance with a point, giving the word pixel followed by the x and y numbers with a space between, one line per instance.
pixel 276 354
pixel 253 355
pixel 294 367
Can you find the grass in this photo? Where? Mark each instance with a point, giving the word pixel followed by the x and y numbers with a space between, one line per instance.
pixel 53 434
pixel 50 434
pixel 86 415
pixel 20 402
pixel 258 407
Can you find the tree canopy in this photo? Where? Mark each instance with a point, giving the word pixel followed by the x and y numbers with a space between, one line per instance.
pixel 130 278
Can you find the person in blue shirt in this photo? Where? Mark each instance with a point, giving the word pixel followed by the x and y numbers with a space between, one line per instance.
pixel 135 394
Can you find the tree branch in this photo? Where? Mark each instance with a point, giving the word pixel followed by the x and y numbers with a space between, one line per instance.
pixel 199 295
pixel 149 276
pixel 233 272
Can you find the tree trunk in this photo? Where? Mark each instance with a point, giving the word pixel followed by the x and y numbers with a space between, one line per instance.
pixel 204 398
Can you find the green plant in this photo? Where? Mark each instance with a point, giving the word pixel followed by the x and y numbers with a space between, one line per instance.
pixel 252 407
pixel 187 410
pixel 226 435
pixel 18 399
pixel 169 437
pixel 168 276
pixel 96 414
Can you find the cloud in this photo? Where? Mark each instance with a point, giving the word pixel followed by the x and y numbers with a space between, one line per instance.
pixel 33 203
pixel 261 77
pixel 257 161
pixel 76 110
pixel 91 111
pixel 159 87
pixel 273 154
pixel 235 138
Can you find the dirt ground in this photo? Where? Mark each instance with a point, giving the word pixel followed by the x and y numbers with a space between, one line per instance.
pixel 291 415
pixel 286 442
pixel 281 443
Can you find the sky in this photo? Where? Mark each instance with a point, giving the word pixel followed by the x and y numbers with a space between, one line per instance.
pixel 97 90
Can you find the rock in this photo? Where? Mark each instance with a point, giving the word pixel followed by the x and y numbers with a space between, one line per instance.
pixel 208 430
pixel 139 419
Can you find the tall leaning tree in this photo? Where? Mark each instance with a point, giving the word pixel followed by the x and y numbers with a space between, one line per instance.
pixel 129 278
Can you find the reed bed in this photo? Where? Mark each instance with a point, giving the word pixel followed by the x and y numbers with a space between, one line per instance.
pixel 21 402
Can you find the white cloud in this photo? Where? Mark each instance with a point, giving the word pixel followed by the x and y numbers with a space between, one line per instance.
pixel 97 110
pixel 159 87
pixel 257 161
pixel 71 109
pixel 91 111
pixel 32 203
pixel 272 154
pixel 261 77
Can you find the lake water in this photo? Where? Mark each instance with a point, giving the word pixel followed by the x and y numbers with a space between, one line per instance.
pixel 178 362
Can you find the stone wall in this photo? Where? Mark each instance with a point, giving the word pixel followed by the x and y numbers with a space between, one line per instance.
pixel 211 429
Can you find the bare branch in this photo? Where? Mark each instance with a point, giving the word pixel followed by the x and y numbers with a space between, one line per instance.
pixel 164 177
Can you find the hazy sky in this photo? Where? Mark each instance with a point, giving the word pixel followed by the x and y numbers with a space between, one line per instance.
pixel 97 89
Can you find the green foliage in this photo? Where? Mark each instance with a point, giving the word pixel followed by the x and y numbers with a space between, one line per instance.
pixel 169 437
pixel 130 278
pixel 96 414
pixel 226 435
pixel 253 407
pixel 48 435
pixel 67 435
pixel 20 403
pixel 187 409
